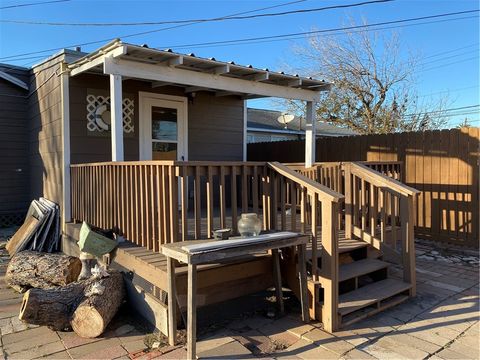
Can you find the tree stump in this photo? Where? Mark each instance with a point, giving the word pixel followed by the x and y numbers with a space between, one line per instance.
pixel 29 269
pixel 96 311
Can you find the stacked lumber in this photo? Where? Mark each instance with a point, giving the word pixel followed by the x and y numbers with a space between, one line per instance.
pixel 40 230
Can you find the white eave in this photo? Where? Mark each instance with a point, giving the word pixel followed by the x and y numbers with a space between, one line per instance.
pixel 165 67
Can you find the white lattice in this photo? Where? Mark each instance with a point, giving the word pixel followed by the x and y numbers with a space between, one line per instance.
pixel 95 101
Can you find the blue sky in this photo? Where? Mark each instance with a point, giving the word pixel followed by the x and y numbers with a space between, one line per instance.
pixel 450 48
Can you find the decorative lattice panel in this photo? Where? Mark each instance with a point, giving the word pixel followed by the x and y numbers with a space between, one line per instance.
pixel 96 103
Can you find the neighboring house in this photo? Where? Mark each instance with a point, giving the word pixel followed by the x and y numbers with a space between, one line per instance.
pixel 263 126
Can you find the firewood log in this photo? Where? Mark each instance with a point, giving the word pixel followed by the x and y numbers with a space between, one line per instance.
pixel 52 307
pixel 98 300
pixel 100 305
pixel 42 270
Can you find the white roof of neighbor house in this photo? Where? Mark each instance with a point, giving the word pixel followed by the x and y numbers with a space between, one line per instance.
pixel 266 120
pixel 228 69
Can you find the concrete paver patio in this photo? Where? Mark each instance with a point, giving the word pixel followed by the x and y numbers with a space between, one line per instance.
pixel 442 322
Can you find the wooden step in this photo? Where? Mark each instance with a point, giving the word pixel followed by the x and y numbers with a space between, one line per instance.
pixel 370 294
pixel 347 245
pixel 360 267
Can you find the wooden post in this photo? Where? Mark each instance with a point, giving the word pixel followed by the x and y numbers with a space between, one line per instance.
pixel 278 280
pixel 117 117
pixel 192 312
pixel 172 304
pixel 408 241
pixel 329 272
pixel 310 134
pixel 302 274
pixel 348 201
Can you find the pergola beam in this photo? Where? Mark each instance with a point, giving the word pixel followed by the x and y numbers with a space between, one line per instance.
pixel 210 81
pixel 119 51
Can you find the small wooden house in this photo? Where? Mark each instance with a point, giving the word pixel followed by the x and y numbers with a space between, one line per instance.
pixel 153 143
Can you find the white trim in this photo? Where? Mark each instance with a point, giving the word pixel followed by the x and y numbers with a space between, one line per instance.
pixel 276 131
pixel 13 80
pixel 135 69
pixel 66 190
pixel 145 135
pixel 245 121
pixel 310 134
pixel 122 50
pixel 116 110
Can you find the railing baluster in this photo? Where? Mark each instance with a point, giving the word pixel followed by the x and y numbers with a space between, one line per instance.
pixel 223 204
pixel 209 188
pixel 233 190
pixel 198 205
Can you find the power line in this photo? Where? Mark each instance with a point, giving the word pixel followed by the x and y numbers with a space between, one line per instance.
pixel 223 18
pixel 450 51
pixel 328 34
pixel 265 38
pixel 145 32
pixel 32 4
pixel 449 57
pixel 449 64
pixel 444 110
pixel 366 26
pixel 450 91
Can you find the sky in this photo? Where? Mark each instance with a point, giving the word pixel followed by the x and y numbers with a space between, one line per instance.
pixel 449 50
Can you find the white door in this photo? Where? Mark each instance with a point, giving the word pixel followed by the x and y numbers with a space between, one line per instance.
pixel 163 127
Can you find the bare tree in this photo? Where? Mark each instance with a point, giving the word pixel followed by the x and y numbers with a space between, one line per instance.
pixel 374 84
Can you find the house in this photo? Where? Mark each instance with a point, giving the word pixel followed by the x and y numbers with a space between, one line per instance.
pixel 263 126
pixel 153 143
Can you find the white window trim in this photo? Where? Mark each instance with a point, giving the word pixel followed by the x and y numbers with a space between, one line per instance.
pixel 143 134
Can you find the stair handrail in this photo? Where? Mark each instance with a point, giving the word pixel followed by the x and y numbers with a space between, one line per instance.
pixel 324 192
pixel 406 214
pixel 379 179
pixel 329 201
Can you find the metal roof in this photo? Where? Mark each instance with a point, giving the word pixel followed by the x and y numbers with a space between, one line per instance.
pixel 144 54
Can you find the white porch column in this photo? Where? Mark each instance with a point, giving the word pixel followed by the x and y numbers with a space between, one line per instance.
pixel 310 134
pixel 66 191
pixel 117 117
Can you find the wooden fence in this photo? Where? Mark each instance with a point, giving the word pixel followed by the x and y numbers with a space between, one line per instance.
pixel 442 164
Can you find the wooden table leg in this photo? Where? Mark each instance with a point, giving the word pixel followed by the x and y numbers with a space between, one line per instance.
pixel 302 274
pixel 172 304
pixel 278 280
pixel 192 312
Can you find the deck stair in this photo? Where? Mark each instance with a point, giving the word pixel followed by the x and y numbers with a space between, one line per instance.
pixel 365 287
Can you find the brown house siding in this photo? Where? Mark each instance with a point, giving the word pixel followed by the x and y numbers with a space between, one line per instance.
pixel 215 124
pixel 14 183
pixel 45 132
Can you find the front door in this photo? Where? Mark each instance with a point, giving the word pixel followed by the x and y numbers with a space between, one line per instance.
pixel 163 127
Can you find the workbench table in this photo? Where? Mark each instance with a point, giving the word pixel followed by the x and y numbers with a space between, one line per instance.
pixel 199 252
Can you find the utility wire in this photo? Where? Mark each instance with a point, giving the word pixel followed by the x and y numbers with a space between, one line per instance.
pixel 223 18
pixel 146 32
pixel 32 4
pixel 445 110
pixel 449 64
pixel 366 26
pixel 449 91
pixel 265 38
pixel 449 57
pixel 450 51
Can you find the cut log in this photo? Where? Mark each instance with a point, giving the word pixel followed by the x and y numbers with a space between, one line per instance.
pixel 42 270
pixel 96 311
pixel 52 307
pixel 97 299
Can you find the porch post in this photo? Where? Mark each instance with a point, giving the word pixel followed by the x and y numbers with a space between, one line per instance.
pixel 66 191
pixel 310 134
pixel 117 117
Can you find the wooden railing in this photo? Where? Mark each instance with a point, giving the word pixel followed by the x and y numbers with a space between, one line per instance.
pixel 155 202
pixel 380 211
pixel 138 198
pixel 319 213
